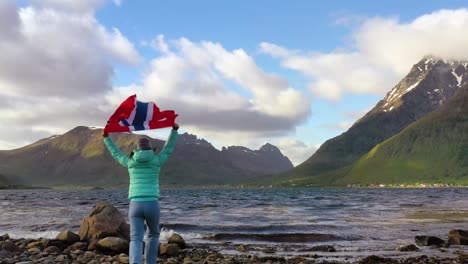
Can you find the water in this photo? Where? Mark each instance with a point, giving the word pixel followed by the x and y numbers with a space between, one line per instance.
pixel 355 221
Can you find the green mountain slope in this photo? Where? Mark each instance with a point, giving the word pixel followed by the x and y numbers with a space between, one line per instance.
pixel 428 86
pixel 432 150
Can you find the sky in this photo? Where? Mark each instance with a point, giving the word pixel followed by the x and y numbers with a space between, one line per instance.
pixel 291 73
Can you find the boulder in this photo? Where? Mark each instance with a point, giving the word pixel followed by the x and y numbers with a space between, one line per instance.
pixel 424 241
pixel 4 237
pixel 68 237
pixel 458 237
pixel 104 221
pixel 177 239
pixel 169 250
pixel 115 244
pixel 408 248
pixel 8 246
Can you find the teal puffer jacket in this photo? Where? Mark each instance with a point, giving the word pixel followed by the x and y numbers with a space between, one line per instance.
pixel 143 168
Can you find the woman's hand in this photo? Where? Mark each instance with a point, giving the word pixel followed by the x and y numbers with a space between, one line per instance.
pixel 175 126
pixel 104 134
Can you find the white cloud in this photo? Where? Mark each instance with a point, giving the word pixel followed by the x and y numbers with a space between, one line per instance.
pixel 160 44
pixel 59 54
pixel 384 49
pixel 80 6
pixel 57 63
pixel 199 80
pixel 296 150
pixel 56 66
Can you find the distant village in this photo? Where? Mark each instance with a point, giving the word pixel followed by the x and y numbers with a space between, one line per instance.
pixel 419 185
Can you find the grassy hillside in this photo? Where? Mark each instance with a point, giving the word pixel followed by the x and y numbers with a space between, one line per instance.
pixel 356 156
pixel 431 150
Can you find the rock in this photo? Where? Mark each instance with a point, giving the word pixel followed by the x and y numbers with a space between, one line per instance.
pixel 421 259
pixel 169 250
pixel 242 248
pixel 424 241
pixel 463 258
pixel 324 248
pixel 123 258
pixel 8 246
pixel 80 246
pixel 88 256
pixel 93 244
pixel 77 252
pixel 104 221
pixel 4 237
pixel 408 248
pixel 34 251
pixel 68 237
pixel 115 244
pixel 35 244
pixel 177 239
pixel 52 250
pixel 5 254
pixel 172 261
pixel 376 260
pixel 458 237
pixel 53 242
pixel 269 250
pixel 109 259
pixel 187 260
pixel 214 257
pixel 62 258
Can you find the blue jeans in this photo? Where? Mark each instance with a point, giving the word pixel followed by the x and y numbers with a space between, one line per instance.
pixel 138 213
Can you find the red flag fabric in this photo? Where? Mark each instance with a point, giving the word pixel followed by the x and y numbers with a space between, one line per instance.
pixel 133 115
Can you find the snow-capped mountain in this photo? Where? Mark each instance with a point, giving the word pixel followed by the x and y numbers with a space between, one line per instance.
pixel 428 85
pixel 435 80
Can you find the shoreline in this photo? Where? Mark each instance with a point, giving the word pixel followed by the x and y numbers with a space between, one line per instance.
pixel 222 187
pixel 40 250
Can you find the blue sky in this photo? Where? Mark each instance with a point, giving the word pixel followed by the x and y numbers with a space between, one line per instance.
pixel 328 62
pixel 315 26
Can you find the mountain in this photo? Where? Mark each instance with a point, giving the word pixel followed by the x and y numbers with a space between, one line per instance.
pixel 432 150
pixel 429 84
pixel 79 157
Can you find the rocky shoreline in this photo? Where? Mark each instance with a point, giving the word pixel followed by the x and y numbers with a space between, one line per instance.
pixel 48 251
pixel 104 238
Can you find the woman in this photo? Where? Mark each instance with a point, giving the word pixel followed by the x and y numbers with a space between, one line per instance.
pixel 143 167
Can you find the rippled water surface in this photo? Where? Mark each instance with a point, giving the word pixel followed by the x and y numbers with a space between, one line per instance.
pixel 353 220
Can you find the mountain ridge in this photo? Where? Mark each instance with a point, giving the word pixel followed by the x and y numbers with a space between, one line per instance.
pixel 79 156
pixel 428 85
pixel 433 149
